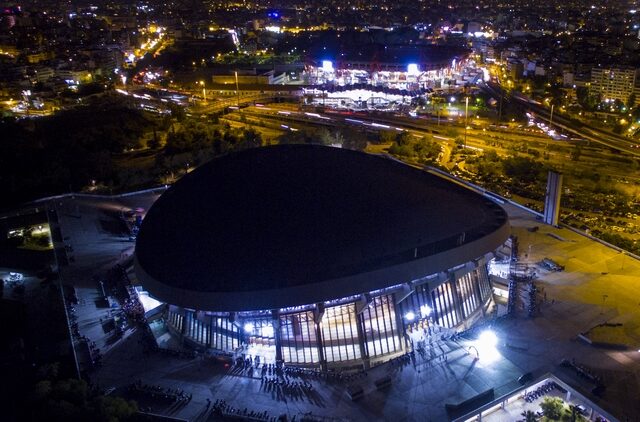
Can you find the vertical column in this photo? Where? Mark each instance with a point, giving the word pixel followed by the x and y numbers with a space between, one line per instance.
pixel 401 331
pixel 212 331
pixel 361 339
pixel 275 315
pixel 457 299
pixel 318 313
pixel 207 331
pixel 183 329
pixel 185 322
pixel 475 285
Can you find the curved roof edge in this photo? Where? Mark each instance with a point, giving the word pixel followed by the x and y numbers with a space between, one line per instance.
pixel 325 290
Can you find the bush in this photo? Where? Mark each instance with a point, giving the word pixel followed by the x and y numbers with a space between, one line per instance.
pixel 552 407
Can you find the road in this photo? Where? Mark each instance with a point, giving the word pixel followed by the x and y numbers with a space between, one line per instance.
pixel 585 131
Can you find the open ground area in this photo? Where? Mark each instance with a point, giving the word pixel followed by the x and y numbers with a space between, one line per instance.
pixel 599 285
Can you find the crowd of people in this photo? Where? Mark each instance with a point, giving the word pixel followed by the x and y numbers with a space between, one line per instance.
pixel 133 309
pixel 221 409
pixel 250 366
pixel 95 355
pixel 158 393
pixel 582 371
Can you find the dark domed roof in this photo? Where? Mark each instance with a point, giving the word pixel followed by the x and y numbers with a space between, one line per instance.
pixel 294 215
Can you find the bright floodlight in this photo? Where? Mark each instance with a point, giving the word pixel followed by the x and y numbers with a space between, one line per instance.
pixel 412 69
pixel 485 75
pixel 327 65
pixel 248 327
pixel 488 339
pixel 452 99
pixel 425 311
pixel 266 331
pixel 410 316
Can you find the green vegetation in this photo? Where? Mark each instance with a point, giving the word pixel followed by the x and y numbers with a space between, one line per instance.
pixel 412 148
pixel 555 409
pixel 72 400
pixel 64 152
pixel 347 137
pixel 552 407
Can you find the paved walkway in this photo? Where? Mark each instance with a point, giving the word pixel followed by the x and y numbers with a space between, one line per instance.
pixel 91 227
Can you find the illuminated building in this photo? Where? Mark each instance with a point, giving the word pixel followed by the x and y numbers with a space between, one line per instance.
pixel 615 83
pixel 316 256
pixel 407 67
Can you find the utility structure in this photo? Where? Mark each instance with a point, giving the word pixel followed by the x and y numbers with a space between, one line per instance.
pixel 552 198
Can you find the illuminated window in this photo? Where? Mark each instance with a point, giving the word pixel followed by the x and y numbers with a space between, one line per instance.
pixel 299 343
pixel 380 327
pixel 340 333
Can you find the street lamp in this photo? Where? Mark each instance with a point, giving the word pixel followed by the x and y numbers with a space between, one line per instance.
pixel 551 118
pixel 237 89
pixel 486 343
pixel 466 114
pixel 204 90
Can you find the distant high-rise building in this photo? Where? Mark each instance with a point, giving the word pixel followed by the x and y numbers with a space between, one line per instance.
pixel 614 83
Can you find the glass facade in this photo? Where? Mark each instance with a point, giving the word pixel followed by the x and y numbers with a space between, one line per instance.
pixel 351 329
pixel 225 334
pixel 380 327
pixel 445 310
pixel 340 333
pixel 298 338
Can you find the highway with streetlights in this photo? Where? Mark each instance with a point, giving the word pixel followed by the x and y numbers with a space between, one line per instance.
pixel 583 130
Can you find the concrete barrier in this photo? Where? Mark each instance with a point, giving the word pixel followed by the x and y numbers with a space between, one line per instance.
pixel 382 383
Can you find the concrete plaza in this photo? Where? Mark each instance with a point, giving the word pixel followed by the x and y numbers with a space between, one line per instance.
pixel 599 284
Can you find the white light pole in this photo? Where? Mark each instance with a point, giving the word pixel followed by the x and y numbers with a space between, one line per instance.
pixel 551 118
pixel 466 114
pixel 237 89
pixel 204 91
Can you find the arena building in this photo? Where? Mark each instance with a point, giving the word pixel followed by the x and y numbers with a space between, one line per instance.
pixel 376 76
pixel 404 67
pixel 316 256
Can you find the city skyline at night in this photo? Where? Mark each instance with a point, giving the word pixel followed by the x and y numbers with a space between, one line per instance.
pixel 320 210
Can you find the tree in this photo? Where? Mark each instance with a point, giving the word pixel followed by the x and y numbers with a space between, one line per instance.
pixel 529 416
pixel 552 407
pixel 154 142
pixel 403 138
pixel 387 136
pixel 177 111
pixel 522 169
pixel 354 140
pixel 71 400
pixel 426 150
pixel 631 102
pixel 573 412
pixel 582 95
pixel 250 139
pixel 576 153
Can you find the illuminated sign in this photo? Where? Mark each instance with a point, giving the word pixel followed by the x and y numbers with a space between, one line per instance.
pixel 327 65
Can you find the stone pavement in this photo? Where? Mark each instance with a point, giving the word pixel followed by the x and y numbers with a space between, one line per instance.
pixel 91 227
pixel 575 304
